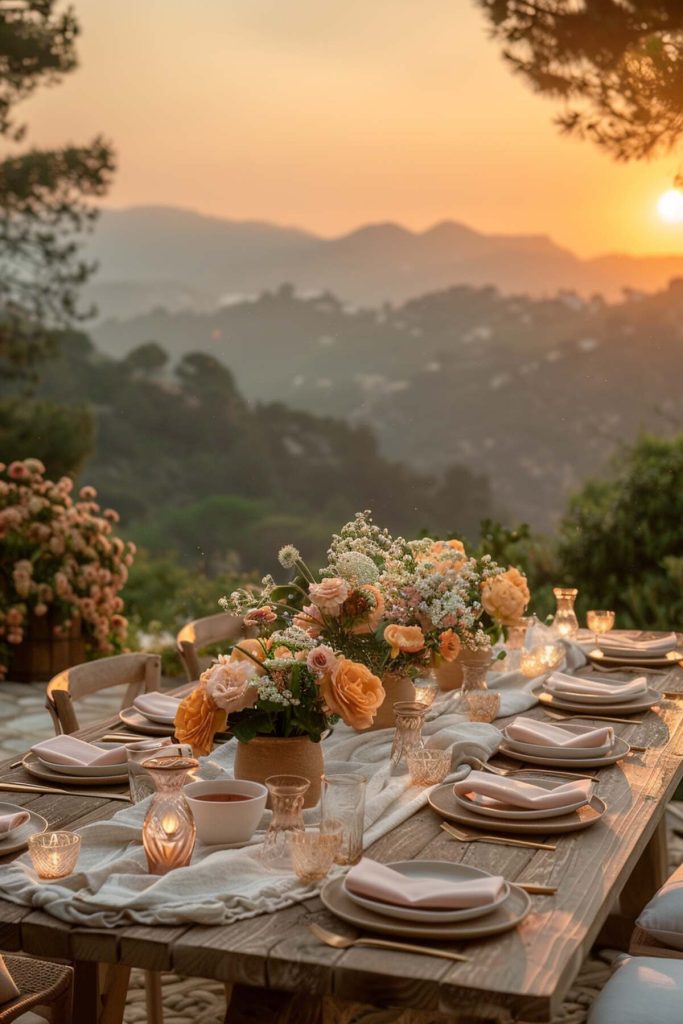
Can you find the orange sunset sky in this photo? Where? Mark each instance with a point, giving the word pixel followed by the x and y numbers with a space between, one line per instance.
pixel 331 113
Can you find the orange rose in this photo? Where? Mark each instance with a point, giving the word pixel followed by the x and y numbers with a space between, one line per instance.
pixel 248 650
pixel 375 616
pixel 198 720
pixel 353 692
pixel 439 554
pixel 404 639
pixel 505 596
pixel 449 645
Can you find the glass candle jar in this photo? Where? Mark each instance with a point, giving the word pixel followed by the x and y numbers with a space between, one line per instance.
pixel 287 793
pixel 565 622
pixel 429 765
pixel 479 702
pixel 169 831
pixel 313 853
pixel 343 809
pixel 541 659
pixel 426 689
pixel 409 715
pixel 54 854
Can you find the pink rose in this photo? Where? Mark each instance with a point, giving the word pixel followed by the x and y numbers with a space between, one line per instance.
pixel 321 659
pixel 329 595
pixel 230 684
pixel 260 616
pixel 310 619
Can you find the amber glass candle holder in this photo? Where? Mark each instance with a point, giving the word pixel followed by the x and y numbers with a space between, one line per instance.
pixel 54 854
pixel 313 852
pixel 169 831
pixel 426 689
pixel 428 766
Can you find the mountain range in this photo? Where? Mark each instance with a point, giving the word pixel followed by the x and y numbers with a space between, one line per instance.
pixel 162 257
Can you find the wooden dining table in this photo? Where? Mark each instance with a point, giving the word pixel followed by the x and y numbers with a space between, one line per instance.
pixel 604 875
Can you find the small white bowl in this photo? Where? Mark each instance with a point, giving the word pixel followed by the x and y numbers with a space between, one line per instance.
pixel 221 824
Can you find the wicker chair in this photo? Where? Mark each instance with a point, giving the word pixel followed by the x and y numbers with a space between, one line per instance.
pixel 140 673
pixel 44 987
pixel 200 633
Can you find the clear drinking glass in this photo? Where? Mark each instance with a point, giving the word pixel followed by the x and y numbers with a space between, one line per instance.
pixel 481 704
pixel 409 715
pixel 139 777
pixel 287 794
pixel 168 831
pixel 565 622
pixel 313 853
pixel 600 622
pixel 343 809
pixel 426 689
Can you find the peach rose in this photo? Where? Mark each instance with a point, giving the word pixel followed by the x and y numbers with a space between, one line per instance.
pixel 506 596
pixel 229 683
pixel 263 616
pixel 329 595
pixel 309 619
pixel 353 692
pixel 449 645
pixel 404 639
pixel 247 650
pixel 197 721
pixel 444 554
pixel 370 624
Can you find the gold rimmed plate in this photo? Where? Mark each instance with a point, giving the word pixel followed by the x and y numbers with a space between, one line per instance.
pixel 508 915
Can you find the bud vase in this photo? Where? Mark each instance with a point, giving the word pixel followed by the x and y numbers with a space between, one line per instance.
pixel 264 756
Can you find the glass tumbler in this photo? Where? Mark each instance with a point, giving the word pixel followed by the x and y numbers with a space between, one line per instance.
pixel 287 794
pixel 140 778
pixel 480 703
pixel 343 810
pixel 429 766
pixel 168 831
pixel 409 715
pixel 313 853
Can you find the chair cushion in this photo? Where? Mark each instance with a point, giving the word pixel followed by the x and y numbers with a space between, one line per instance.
pixel 643 989
pixel 663 916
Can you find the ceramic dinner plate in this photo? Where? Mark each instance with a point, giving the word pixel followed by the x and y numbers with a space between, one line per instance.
pixel 18 838
pixel 34 766
pixel 442 800
pixel 619 750
pixel 595 698
pixel 631 707
pixel 558 753
pixel 513 814
pixel 508 915
pixel 85 771
pixel 138 723
pixel 442 871
pixel 668 660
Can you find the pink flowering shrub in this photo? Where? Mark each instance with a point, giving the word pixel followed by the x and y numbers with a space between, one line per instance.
pixel 60 559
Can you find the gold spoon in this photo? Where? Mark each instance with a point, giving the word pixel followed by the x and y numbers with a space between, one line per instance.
pixel 342 942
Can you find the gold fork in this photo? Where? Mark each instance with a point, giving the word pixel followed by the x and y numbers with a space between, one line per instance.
pixel 594 718
pixel 476 837
pixel 342 942
pixel 495 770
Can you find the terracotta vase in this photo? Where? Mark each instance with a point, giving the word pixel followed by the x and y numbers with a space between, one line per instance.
pixel 41 654
pixel 397 688
pixel 274 755
pixel 449 674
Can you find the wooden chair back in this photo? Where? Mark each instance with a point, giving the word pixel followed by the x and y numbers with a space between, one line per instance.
pixel 139 673
pixel 212 629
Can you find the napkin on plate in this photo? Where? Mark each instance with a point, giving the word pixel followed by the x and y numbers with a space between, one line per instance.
pixel 528 730
pixel 633 642
pixel 379 882
pixel 70 750
pixel 567 686
pixel 160 705
pixel 490 790
pixel 8 822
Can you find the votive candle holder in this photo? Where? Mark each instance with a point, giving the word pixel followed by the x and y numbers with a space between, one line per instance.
pixel 54 854
pixel 313 852
pixel 426 689
pixel 428 766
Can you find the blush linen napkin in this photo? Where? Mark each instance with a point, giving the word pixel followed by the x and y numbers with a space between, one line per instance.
pixel 528 730
pixel 379 882
pixel 524 795
pixel 632 642
pixel 160 705
pixel 70 750
pixel 563 685
pixel 8 822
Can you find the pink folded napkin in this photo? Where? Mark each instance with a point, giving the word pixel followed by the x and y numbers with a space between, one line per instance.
pixel 632 640
pixel 8 990
pixel 70 750
pixel 160 705
pixel 495 791
pixel 378 882
pixel 8 822
pixel 528 730
pixel 560 683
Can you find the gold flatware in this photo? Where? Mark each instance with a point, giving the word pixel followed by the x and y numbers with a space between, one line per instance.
pixel 476 837
pixel 594 718
pixel 342 942
pixel 123 737
pixel 536 890
pixel 631 668
pixel 24 787
pixel 495 770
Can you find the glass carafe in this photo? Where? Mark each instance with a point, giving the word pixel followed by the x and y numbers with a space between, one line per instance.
pixel 565 623
pixel 479 703
pixel 409 715
pixel 168 831
pixel 287 794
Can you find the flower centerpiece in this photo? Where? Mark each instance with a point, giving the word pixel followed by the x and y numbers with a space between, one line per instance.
pixel 65 568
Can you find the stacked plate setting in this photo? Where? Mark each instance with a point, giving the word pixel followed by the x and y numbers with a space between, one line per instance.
pixel 152 714
pixel 562 746
pixel 68 760
pixel 632 647
pixel 588 696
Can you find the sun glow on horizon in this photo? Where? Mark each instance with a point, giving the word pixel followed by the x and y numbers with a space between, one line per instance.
pixel 670 206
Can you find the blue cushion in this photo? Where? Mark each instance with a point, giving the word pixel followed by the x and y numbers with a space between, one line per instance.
pixel 643 990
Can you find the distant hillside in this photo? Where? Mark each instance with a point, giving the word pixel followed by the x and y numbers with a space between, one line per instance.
pixel 534 393
pixel 152 257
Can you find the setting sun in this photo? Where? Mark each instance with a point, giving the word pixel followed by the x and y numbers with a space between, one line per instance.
pixel 670 206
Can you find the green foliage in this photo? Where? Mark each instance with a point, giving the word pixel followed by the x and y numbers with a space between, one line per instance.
pixel 622 538
pixel 62 438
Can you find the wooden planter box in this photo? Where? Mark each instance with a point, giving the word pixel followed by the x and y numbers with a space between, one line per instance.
pixel 41 655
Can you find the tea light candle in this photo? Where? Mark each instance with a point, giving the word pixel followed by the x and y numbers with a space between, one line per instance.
pixel 540 659
pixel 54 854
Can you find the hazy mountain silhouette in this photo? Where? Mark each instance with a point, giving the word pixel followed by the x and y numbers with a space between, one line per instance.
pixel 154 256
